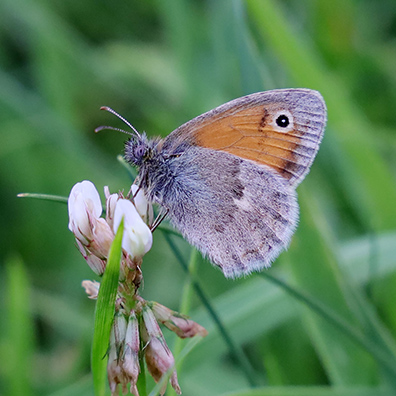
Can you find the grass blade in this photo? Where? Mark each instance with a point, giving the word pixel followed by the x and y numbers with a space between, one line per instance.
pixel 44 197
pixel 104 313
pixel 20 330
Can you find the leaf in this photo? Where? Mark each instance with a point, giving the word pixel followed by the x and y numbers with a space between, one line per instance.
pixel 104 313
pixel 20 329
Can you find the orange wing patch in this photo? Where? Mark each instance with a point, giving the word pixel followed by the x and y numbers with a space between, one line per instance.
pixel 250 135
pixel 248 127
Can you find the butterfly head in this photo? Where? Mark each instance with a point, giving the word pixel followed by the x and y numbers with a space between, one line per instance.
pixel 138 150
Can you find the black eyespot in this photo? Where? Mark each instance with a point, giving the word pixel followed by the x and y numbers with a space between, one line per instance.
pixel 282 121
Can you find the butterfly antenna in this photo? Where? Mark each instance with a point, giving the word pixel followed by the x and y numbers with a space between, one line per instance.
pixel 101 128
pixel 110 110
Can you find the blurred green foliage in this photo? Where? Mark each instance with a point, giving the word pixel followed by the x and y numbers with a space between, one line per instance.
pixel 160 63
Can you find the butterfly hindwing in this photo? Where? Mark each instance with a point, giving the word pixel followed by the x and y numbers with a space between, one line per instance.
pixel 241 217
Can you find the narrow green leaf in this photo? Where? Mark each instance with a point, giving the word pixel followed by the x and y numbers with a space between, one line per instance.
pixel 20 330
pixel 104 313
pixel 45 197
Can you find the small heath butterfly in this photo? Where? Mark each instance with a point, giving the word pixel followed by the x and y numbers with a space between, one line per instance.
pixel 227 179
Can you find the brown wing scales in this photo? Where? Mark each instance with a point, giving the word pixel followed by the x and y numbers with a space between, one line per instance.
pixel 245 135
pixel 246 127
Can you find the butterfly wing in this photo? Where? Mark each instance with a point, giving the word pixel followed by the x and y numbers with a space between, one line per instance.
pixel 239 214
pixel 230 175
pixel 281 129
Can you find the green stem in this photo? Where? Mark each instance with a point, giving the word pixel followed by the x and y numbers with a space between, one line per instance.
pixel 45 197
pixel 187 294
pixel 185 305
pixel 234 349
pixel 141 382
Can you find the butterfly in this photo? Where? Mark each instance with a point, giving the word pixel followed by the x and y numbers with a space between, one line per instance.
pixel 227 179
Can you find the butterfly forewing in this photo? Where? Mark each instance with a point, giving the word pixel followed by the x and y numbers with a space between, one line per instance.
pixel 248 128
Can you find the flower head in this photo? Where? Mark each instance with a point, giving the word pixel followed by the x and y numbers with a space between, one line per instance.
pixel 137 238
pixel 136 321
pixel 94 234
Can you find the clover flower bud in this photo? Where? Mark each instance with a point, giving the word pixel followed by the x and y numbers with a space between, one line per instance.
pixel 115 373
pixel 137 238
pixel 84 207
pixel 178 323
pixel 159 358
pixel 91 288
pixel 95 263
pixel 130 364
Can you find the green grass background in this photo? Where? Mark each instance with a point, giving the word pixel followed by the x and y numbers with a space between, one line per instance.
pixel 160 63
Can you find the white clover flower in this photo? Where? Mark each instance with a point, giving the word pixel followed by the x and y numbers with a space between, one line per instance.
pixel 137 238
pixel 84 207
pixel 144 208
pixel 92 231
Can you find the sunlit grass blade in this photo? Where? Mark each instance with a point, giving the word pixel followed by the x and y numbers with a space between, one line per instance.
pixel 104 313
pixel 19 352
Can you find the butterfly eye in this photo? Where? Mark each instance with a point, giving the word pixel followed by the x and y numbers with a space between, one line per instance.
pixel 140 151
pixel 282 121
